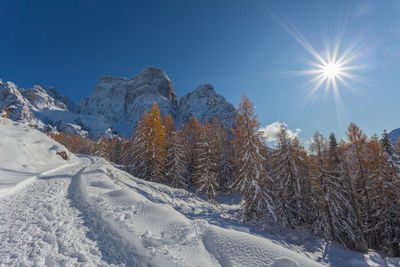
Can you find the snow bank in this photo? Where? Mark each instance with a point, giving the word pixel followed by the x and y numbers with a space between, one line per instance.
pixel 25 153
pixel 132 226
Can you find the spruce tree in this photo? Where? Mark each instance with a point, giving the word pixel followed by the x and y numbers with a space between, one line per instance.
pixel 322 221
pixel 291 188
pixel 191 132
pixel 136 153
pixel 250 177
pixel 116 150
pixel 223 154
pixel 177 173
pixel 343 206
pixel 206 168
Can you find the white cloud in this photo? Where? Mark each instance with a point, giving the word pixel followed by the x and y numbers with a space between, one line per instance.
pixel 270 132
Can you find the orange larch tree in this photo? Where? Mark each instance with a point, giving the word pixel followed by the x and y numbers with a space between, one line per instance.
pixel 150 146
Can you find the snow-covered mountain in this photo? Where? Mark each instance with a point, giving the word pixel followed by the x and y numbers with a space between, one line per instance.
pixel 204 103
pixel 124 100
pixel 115 105
pixel 84 212
pixel 394 135
pixel 22 104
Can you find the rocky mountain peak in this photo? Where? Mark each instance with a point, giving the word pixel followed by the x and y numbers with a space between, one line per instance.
pixel 14 102
pixel 124 100
pixel 40 99
pixel 205 104
pixel 111 79
pixel 205 88
pixel 155 81
pixel 153 73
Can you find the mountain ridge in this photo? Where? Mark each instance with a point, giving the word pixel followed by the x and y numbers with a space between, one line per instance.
pixel 115 105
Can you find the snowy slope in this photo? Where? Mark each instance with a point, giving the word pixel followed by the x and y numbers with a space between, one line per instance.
pixel 25 153
pixel 162 234
pixel 49 111
pixel 85 211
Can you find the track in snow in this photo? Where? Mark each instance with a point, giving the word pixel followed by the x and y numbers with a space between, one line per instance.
pixel 51 222
pixel 93 214
pixel 38 226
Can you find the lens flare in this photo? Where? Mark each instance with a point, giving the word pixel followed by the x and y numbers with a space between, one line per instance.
pixel 332 69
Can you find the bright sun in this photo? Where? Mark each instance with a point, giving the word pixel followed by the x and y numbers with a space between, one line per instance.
pixel 331 70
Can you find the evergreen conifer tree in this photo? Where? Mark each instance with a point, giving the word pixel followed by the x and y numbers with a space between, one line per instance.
pixel 177 173
pixel 206 168
pixel 343 206
pixel 322 221
pixel 290 194
pixel 191 132
pixel 250 176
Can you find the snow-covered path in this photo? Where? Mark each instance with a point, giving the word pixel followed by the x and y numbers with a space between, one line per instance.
pixel 39 227
pixel 76 215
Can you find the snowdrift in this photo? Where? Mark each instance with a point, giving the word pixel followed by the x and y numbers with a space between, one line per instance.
pixel 142 228
pixel 24 153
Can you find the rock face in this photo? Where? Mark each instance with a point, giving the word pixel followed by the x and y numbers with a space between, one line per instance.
pixel 124 100
pixel 15 103
pixel 29 105
pixel 115 105
pixel 69 105
pixel 205 104
pixel 41 100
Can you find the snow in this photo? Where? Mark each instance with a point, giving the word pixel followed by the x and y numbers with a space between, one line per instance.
pixel 85 212
pixel 25 153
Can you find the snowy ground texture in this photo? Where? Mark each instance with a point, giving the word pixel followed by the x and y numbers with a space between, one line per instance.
pixel 85 212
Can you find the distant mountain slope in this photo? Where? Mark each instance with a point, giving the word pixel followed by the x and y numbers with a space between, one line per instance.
pixel 205 104
pixel 115 105
pixel 394 135
pixel 47 110
pixel 12 100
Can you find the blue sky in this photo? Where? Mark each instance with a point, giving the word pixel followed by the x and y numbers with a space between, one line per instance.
pixel 238 46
